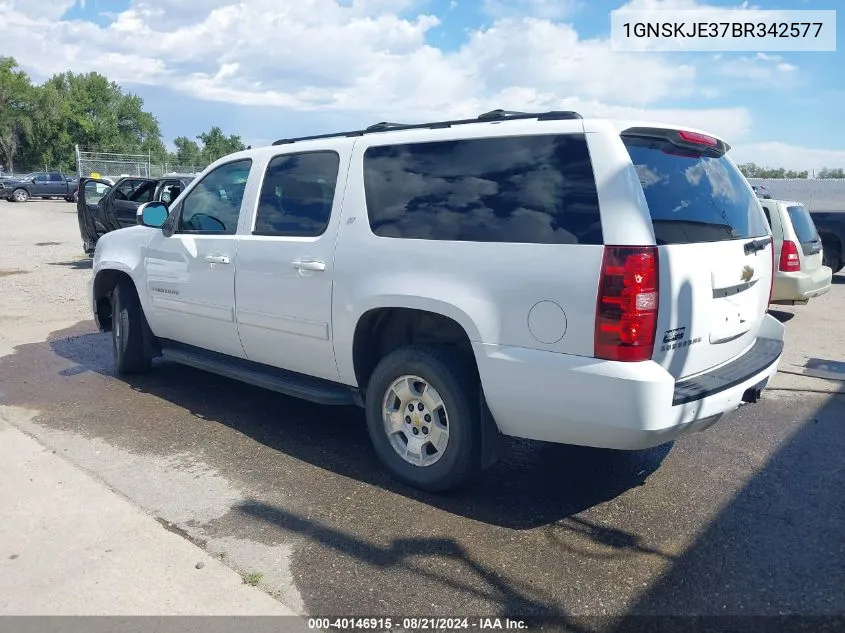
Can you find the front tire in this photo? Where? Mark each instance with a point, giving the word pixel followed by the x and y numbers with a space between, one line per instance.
pixel 20 195
pixel 436 446
pixel 128 331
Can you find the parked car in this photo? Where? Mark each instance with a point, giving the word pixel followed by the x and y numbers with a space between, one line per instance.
pixel 44 184
pixel 800 273
pixel 105 206
pixel 534 275
pixel 831 228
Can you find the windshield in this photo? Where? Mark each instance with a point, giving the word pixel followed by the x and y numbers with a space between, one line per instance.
pixel 805 230
pixel 692 197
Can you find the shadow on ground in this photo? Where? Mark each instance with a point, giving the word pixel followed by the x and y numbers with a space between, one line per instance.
pixel 782 316
pixel 744 519
pixel 520 492
pixel 76 264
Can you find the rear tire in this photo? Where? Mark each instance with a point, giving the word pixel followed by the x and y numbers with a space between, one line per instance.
pixel 832 257
pixel 128 331
pixel 443 389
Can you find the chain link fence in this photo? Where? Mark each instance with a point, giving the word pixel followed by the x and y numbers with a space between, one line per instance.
pixel 115 165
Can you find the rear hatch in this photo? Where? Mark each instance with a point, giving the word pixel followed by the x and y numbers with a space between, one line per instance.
pixel 809 242
pixel 714 249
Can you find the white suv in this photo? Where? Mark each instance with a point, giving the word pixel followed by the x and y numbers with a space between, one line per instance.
pixel 534 275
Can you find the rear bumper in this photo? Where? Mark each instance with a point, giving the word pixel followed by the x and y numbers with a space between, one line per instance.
pixel 576 400
pixel 791 287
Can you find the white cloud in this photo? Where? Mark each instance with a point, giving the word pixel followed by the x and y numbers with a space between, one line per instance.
pixel 544 9
pixel 370 60
pixel 761 70
pixel 774 154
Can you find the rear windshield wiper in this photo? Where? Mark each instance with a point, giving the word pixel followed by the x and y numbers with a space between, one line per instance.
pixel 756 245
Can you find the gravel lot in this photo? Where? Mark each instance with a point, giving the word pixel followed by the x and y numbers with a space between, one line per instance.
pixel 746 518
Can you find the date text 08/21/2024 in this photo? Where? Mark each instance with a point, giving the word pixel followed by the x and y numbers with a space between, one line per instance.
pixel 415 624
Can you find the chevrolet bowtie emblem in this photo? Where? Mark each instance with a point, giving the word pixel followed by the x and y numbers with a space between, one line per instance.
pixel 747 273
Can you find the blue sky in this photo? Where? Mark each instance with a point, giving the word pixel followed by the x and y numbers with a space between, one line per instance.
pixel 265 69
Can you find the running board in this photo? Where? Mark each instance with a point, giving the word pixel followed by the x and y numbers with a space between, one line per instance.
pixel 279 380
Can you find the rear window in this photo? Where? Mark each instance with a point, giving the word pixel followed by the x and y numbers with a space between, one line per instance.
pixel 694 198
pixel 529 189
pixel 805 230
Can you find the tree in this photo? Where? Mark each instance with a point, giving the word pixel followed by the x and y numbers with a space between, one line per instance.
pixel 187 151
pixel 752 170
pixel 824 172
pixel 16 94
pixel 216 145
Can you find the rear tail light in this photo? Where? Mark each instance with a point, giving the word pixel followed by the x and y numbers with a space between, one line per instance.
pixel 626 312
pixel 697 139
pixel 790 262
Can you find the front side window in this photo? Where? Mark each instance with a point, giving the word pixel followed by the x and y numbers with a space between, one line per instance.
pixel 95 191
pixel 532 189
pixel 214 205
pixel 297 194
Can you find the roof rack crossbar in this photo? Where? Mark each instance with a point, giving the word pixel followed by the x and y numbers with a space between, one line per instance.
pixel 487 117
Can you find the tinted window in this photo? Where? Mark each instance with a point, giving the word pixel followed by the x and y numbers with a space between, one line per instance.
pixel 531 189
pixel 42 178
pixel 94 191
pixel 768 217
pixel 297 195
pixel 214 205
pixel 139 191
pixel 803 224
pixel 694 198
pixel 54 177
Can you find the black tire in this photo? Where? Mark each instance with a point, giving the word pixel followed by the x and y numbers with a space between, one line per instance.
pixel 832 257
pixel 128 331
pixel 456 380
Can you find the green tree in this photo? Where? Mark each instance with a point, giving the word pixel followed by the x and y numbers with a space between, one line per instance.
pixel 16 93
pixel 752 170
pixel 216 145
pixel 188 152
pixel 825 172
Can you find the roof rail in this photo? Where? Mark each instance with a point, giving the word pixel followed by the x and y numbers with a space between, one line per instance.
pixel 487 117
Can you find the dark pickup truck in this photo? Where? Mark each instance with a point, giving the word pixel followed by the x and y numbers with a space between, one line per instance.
pixel 831 228
pixel 42 184
pixel 103 207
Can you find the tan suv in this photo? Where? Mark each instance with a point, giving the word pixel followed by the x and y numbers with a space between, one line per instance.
pixel 799 273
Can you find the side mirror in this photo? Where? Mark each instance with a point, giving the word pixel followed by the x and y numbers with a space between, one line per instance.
pixel 152 214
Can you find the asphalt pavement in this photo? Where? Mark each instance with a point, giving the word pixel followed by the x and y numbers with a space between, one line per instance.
pixel 745 519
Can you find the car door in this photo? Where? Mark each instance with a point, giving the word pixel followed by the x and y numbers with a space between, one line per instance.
pixel 129 194
pixel 40 185
pixel 168 190
pixel 89 211
pixel 57 185
pixel 283 281
pixel 190 263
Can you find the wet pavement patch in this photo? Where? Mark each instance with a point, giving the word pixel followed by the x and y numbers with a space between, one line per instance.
pixel 9 273
pixel 720 522
pixel 48 243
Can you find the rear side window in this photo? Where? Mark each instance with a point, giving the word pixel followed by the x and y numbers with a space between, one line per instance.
pixel 694 198
pixel 297 194
pixel 803 224
pixel 529 189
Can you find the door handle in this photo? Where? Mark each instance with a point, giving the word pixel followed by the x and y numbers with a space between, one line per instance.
pixel 310 265
pixel 217 259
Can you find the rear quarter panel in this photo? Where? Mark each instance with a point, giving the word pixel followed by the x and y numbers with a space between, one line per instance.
pixel 490 289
